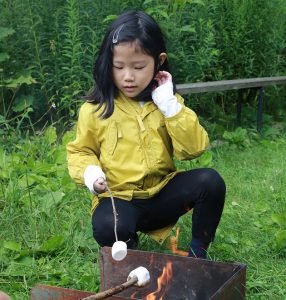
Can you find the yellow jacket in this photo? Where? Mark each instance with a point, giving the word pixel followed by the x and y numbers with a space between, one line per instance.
pixel 134 147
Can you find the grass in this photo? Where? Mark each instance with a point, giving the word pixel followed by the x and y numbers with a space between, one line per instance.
pixel 45 223
pixel 255 178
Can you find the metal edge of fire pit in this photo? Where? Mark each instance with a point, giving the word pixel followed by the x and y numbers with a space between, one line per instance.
pixel 228 279
pixel 47 292
pixel 235 287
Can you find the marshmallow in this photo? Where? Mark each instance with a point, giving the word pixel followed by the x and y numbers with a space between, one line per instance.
pixel 119 250
pixel 142 274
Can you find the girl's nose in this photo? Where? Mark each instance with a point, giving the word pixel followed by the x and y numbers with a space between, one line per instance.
pixel 128 76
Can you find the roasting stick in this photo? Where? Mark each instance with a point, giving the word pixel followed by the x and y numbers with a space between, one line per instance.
pixel 139 277
pixel 119 248
pixel 114 212
pixel 112 291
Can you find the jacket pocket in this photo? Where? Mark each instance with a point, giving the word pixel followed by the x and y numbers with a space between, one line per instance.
pixel 114 133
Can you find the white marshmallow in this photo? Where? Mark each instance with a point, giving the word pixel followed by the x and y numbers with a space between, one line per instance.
pixel 119 250
pixel 142 274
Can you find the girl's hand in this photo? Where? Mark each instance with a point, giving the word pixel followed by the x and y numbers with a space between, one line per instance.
pixel 163 77
pixel 163 95
pixel 99 185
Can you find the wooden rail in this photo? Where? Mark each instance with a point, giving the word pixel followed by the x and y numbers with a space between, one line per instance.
pixel 236 84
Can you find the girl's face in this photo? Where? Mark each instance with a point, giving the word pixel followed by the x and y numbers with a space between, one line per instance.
pixel 132 68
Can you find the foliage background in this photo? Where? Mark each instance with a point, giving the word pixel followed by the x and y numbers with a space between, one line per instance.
pixel 47 52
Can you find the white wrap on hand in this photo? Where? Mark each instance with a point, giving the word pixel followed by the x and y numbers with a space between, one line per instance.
pixel 91 174
pixel 163 96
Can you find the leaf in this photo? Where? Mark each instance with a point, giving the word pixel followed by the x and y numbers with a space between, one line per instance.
pixel 42 168
pixel 257 224
pixel 26 180
pixel 199 2
pixel 68 136
pixel 237 137
pixel 147 2
pixel 51 135
pixel 52 244
pixel 188 28
pixel 4 32
pixel 12 245
pixel 13 83
pixel 22 102
pixel 4 56
pixel 2 119
pixel 59 155
pixel 231 240
pixel 279 219
pixel 109 18
pixel 281 240
pixel 50 200
pixel 206 159
pixel 26 261
pixel 262 207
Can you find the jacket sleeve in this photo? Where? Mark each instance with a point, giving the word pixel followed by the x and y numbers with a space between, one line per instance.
pixel 189 138
pixel 84 150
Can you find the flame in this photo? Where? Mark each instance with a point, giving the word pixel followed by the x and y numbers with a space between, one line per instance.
pixel 163 283
pixel 173 244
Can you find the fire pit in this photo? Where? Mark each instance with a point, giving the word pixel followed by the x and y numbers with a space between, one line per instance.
pixel 172 277
pixel 175 277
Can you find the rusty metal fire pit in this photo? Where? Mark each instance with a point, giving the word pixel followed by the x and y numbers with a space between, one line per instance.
pixel 172 277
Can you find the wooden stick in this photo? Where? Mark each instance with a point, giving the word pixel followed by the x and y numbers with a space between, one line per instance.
pixel 112 291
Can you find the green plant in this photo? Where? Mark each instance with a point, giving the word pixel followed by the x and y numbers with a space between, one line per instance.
pixel 56 42
pixel 238 137
pixel 280 235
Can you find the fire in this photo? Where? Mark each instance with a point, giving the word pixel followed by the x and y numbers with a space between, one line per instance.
pixel 163 283
pixel 174 245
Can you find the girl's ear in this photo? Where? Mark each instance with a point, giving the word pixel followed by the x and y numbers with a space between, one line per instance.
pixel 162 58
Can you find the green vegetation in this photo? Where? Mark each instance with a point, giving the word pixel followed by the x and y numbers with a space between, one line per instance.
pixel 45 222
pixel 47 50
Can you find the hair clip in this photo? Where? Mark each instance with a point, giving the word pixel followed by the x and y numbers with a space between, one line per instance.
pixel 116 34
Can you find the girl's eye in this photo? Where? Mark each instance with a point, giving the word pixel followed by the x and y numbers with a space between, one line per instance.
pixel 116 67
pixel 139 68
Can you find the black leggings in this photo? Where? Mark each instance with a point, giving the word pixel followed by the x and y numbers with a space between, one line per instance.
pixel 201 189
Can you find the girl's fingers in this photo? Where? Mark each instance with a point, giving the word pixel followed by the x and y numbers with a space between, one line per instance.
pixel 100 180
pixel 100 185
pixel 162 77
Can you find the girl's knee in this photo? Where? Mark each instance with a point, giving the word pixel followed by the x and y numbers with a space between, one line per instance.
pixel 211 178
pixel 208 174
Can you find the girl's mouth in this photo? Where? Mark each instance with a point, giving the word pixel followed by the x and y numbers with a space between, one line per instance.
pixel 129 88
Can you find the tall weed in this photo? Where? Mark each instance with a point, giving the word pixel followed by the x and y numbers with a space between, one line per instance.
pixel 56 42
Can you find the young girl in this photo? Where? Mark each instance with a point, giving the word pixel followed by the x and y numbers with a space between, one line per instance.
pixel 127 134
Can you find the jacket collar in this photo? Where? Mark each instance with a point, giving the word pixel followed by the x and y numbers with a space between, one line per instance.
pixel 131 106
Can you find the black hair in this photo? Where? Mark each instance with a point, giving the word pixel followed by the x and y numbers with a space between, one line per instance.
pixel 131 26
